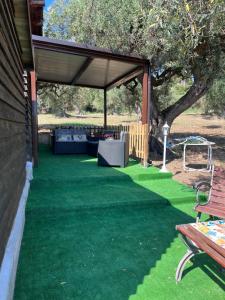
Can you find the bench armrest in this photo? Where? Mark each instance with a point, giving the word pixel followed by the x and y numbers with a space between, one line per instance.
pixel 197 186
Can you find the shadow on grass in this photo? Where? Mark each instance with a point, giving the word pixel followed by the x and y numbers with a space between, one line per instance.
pixel 92 232
pixel 208 266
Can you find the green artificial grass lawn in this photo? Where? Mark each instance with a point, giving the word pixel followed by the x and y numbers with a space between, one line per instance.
pixel 109 234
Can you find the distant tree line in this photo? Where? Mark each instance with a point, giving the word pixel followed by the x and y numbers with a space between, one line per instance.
pixel 61 100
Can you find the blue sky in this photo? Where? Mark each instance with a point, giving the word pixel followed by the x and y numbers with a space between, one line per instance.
pixel 48 2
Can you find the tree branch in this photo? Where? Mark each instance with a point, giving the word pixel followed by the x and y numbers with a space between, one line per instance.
pixel 165 76
pixel 222 41
pixel 196 91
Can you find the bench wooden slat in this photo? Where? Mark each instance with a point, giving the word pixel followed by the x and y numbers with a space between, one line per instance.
pixel 218 194
pixel 218 181
pixel 206 248
pixel 216 203
pixel 219 174
pixel 210 210
pixel 219 188
pixel 204 243
pixel 199 238
pixel 208 241
pixel 218 185
pixel 217 200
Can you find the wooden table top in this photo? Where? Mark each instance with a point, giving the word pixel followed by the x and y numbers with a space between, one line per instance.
pixel 203 243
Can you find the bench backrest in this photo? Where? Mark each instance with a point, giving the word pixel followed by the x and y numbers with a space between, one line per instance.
pixel 217 192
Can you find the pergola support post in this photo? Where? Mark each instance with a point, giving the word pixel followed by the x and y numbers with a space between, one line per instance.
pixel 34 118
pixel 146 90
pixel 105 108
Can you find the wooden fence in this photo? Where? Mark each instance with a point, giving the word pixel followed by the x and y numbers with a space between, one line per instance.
pixel 138 139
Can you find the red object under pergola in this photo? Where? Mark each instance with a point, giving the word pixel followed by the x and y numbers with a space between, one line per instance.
pixel 65 62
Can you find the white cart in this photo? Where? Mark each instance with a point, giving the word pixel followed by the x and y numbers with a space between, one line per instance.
pixel 199 142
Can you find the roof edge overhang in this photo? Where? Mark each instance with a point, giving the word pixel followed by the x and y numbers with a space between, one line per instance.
pixel 86 50
pixel 23 31
pixel 91 53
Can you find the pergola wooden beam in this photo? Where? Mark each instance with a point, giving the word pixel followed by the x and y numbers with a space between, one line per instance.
pixel 68 83
pixel 146 89
pixel 146 98
pixel 81 70
pixel 125 77
pixel 105 108
pixel 33 94
pixel 36 16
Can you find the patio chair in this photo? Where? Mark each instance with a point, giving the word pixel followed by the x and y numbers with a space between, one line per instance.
pixel 215 204
pixel 208 237
pixel 114 152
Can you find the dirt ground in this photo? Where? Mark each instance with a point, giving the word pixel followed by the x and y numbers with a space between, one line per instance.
pixel 211 128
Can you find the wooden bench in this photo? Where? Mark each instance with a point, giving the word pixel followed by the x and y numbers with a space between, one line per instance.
pixel 198 242
pixel 215 205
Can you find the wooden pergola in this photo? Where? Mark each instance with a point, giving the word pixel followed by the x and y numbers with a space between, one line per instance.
pixel 68 63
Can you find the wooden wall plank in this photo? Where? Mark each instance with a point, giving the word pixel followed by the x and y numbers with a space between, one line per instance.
pixel 10 113
pixel 11 72
pixel 15 122
pixel 10 59
pixel 9 31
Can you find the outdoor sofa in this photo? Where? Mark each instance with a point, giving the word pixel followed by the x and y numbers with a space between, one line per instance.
pixel 78 141
pixel 69 141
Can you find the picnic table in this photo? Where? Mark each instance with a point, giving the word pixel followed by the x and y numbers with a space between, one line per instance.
pixel 208 237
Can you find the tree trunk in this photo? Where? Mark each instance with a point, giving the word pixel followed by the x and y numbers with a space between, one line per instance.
pixel 158 119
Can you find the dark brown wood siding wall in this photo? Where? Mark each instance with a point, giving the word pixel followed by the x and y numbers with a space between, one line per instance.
pixel 15 115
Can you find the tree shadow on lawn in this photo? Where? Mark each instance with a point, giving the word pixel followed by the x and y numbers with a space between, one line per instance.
pixel 92 237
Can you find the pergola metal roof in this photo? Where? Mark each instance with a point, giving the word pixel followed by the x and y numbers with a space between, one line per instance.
pixel 69 63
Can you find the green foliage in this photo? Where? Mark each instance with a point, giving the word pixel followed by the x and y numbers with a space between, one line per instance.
pixel 56 99
pixel 171 92
pixel 60 100
pixel 215 99
pixel 182 40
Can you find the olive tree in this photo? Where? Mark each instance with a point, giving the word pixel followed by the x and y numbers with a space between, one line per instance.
pixel 183 40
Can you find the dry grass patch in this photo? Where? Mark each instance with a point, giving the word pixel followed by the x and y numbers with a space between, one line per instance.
pixel 48 120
